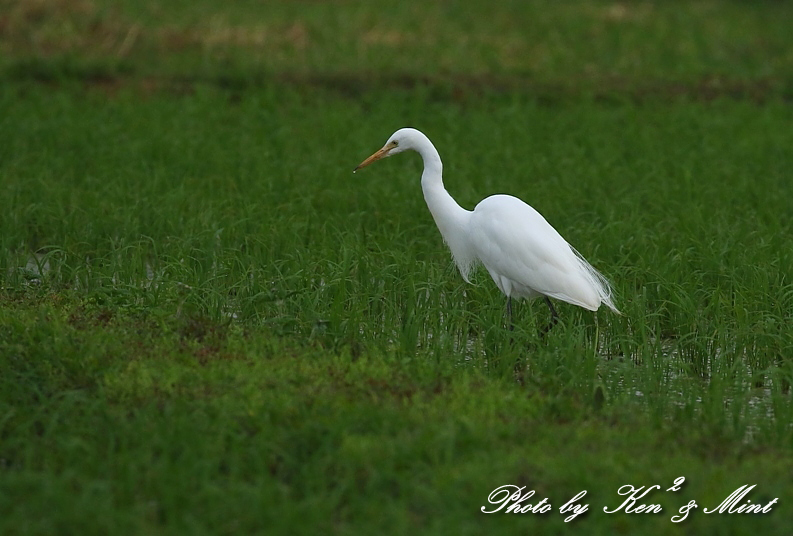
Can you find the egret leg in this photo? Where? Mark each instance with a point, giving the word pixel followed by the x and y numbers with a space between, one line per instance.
pixel 517 368
pixel 554 316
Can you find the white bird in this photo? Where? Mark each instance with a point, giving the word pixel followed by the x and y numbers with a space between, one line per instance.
pixel 524 254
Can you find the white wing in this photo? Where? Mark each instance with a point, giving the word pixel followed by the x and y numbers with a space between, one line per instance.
pixel 514 241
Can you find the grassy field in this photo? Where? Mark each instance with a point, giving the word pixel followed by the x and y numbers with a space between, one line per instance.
pixel 209 325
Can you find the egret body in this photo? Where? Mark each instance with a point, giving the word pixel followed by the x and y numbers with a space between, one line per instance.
pixel 524 254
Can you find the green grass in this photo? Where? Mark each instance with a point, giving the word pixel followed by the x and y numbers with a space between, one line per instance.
pixel 208 324
pixel 703 48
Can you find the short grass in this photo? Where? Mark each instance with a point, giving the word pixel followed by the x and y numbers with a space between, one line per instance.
pixel 699 47
pixel 210 325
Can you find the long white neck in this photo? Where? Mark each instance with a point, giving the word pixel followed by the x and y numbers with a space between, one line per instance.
pixel 451 218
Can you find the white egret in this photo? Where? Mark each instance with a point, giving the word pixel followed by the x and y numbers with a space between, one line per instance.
pixel 525 256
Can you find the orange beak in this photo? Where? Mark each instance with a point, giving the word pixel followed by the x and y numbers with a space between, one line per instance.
pixel 375 157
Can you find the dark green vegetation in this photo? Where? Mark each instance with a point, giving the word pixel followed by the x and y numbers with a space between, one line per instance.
pixel 210 326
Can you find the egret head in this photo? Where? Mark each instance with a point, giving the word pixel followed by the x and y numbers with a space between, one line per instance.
pixel 401 140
